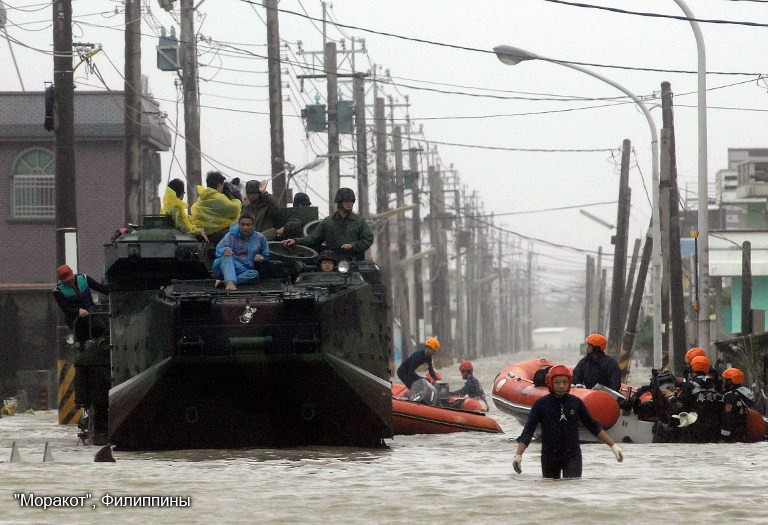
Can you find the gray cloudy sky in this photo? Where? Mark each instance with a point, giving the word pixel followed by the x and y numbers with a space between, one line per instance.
pixel 487 104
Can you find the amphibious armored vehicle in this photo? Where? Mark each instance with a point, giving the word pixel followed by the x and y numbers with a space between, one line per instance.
pixel 298 358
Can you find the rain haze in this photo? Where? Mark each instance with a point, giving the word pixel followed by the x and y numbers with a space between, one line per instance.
pixel 537 142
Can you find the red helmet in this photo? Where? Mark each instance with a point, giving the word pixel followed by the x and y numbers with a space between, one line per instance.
pixel 466 366
pixel 557 370
pixel 735 375
pixel 694 352
pixel 700 364
pixel 597 340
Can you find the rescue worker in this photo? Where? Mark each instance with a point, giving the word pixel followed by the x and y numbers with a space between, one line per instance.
pixel 737 401
pixel 596 367
pixel 559 415
pixel 327 261
pixel 261 204
pixel 472 387
pixel 237 254
pixel 73 295
pixel 174 206
pixel 406 372
pixel 699 395
pixel 713 373
pixel 214 211
pixel 343 231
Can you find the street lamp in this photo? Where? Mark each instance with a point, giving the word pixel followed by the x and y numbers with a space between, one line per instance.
pixel 703 220
pixel 512 56
pixel 290 171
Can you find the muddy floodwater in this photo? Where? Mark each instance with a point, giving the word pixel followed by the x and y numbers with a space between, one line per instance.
pixel 452 478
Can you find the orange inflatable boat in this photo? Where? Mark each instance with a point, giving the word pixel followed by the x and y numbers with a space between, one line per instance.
pixel 417 418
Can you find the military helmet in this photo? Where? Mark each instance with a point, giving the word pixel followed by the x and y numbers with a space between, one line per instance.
pixel 327 255
pixel 344 194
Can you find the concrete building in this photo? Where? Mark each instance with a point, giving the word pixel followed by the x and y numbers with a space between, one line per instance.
pixel 27 211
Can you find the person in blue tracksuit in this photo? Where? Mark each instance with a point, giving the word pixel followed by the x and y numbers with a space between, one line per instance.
pixel 559 414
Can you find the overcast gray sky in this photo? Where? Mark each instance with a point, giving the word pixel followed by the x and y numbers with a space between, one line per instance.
pixel 489 104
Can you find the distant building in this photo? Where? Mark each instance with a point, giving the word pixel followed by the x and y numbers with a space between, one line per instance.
pixel 27 210
pixel 558 337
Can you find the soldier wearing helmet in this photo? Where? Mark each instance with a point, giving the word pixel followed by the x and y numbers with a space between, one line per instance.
pixel 559 415
pixel 472 387
pixel 327 261
pixel 737 401
pixel 597 367
pixel 406 372
pixel 698 395
pixel 344 231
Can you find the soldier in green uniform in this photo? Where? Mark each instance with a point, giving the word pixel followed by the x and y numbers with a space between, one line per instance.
pixel 344 232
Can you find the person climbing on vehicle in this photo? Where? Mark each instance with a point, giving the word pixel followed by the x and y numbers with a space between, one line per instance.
pixel 344 231
pixel 327 260
pixel 406 372
pixel 699 395
pixel 73 295
pixel 472 387
pixel 540 376
pixel 737 401
pixel 559 415
pixel 597 367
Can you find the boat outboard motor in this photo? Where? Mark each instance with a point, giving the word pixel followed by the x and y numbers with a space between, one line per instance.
pixel 423 392
pixel 443 391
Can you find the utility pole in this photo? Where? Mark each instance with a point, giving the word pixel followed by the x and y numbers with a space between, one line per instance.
pixel 440 297
pixel 132 115
pixel 418 275
pixel 358 87
pixel 401 285
pixel 625 358
pixel 616 327
pixel 275 103
pixel 746 288
pixel 677 302
pixel 65 178
pixel 629 286
pixel 334 173
pixel 590 275
pixel 382 205
pixel 191 99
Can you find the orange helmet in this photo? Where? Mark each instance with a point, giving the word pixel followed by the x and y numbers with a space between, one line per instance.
pixel 735 375
pixel 694 352
pixel 557 370
pixel 597 340
pixel 700 364
pixel 466 366
pixel 433 343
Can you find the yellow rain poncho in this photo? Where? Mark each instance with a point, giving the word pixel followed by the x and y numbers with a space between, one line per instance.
pixel 177 209
pixel 214 211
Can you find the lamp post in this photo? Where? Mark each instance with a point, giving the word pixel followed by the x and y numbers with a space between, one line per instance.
pixel 290 171
pixel 511 56
pixel 703 219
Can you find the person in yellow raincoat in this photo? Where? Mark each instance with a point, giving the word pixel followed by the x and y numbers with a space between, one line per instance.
pixel 177 209
pixel 214 211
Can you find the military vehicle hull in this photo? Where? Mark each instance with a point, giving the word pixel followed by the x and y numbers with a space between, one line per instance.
pixel 278 363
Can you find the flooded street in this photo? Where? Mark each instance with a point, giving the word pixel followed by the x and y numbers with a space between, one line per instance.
pixel 453 478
